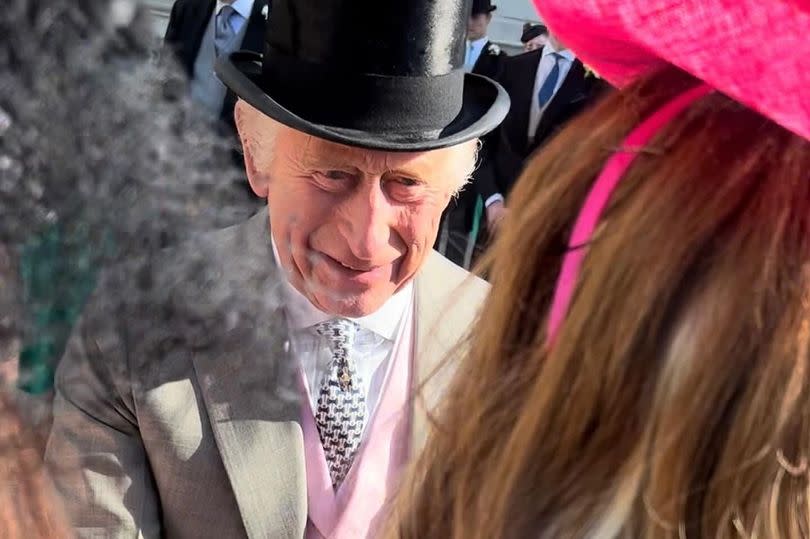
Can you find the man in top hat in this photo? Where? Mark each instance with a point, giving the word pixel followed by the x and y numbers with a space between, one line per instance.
pixel 358 124
pixel 534 36
pixel 199 31
pixel 547 88
pixel 482 57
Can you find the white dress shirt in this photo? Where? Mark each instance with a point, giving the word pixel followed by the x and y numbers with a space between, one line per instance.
pixel 242 9
pixel 473 52
pixel 544 68
pixel 373 344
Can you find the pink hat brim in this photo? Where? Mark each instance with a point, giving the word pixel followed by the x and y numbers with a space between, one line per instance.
pixel 755 51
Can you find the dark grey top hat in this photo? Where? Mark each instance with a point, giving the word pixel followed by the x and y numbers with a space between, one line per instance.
pixel 482 6
pixel 531 31
pixel 369 73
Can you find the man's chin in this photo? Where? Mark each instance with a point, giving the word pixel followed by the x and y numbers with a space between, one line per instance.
pixel 350 305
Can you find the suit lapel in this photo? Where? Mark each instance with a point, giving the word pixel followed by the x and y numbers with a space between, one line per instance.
pixel 254 412
pixel 480 66
pixel 447 301
pixel 483 64
pixel 254 34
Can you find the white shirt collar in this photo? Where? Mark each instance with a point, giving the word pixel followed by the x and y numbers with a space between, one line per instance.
pixel 479 43
pixel 242 7
pixel 385 321
pixel 565 53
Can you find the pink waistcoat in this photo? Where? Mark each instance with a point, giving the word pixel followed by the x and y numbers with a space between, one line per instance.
pixel 355 511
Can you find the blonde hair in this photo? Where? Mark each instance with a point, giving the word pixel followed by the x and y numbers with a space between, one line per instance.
pixel 676 399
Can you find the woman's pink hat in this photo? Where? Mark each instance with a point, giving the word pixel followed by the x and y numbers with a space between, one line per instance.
pixel 755 51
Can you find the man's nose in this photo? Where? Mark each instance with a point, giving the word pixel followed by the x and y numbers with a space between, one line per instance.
pixel 369 222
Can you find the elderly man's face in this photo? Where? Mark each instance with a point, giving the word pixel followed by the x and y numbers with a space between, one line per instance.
pixel 351 225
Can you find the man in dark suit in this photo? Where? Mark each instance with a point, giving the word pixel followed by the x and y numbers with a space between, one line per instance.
pixel 482 57
pixel 201 30
pixel 547 87
pixel 198 32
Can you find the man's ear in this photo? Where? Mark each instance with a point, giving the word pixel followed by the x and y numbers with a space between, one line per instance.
pixel 245 119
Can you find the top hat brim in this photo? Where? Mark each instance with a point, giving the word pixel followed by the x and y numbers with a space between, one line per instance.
pixel 484 105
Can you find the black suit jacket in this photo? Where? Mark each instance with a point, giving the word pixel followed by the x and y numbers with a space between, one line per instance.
pixel 490 61
pixel 184 34
pixel 507 147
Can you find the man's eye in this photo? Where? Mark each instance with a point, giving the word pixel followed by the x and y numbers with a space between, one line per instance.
pixel 337 175
pixel 406 189
pixel 408 182
pixel 333 180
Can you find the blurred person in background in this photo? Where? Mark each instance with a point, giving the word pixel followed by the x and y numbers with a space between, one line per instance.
pixel 534 36
pixel 548 87
pixel 482 57
pixel 292 416
pixel 660 389
pixel 199 31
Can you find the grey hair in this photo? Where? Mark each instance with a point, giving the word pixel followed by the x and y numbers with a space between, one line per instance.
pixel 470 169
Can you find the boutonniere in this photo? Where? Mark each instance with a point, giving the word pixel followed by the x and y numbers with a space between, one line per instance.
pixel 589 72
pixel 265 11
pixel 494 49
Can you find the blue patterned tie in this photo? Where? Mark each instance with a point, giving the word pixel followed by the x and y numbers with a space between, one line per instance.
pixel 341 414
pixel 547 89
pixel 223 31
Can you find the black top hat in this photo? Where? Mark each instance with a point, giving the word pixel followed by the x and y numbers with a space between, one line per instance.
pixel 368 73
pixel 531 31
pixel 482 6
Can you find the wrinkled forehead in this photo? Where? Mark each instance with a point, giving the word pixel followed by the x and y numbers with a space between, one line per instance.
pixel 316 153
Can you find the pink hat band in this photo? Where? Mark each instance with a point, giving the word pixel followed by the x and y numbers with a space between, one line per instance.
pixel 599 195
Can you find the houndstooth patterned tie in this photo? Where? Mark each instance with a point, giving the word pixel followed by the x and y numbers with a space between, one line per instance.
pixel 341 413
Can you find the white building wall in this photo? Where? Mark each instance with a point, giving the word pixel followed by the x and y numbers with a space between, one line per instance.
pixel 506 27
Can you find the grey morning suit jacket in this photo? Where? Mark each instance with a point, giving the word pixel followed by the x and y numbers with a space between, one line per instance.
pixel 201 440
